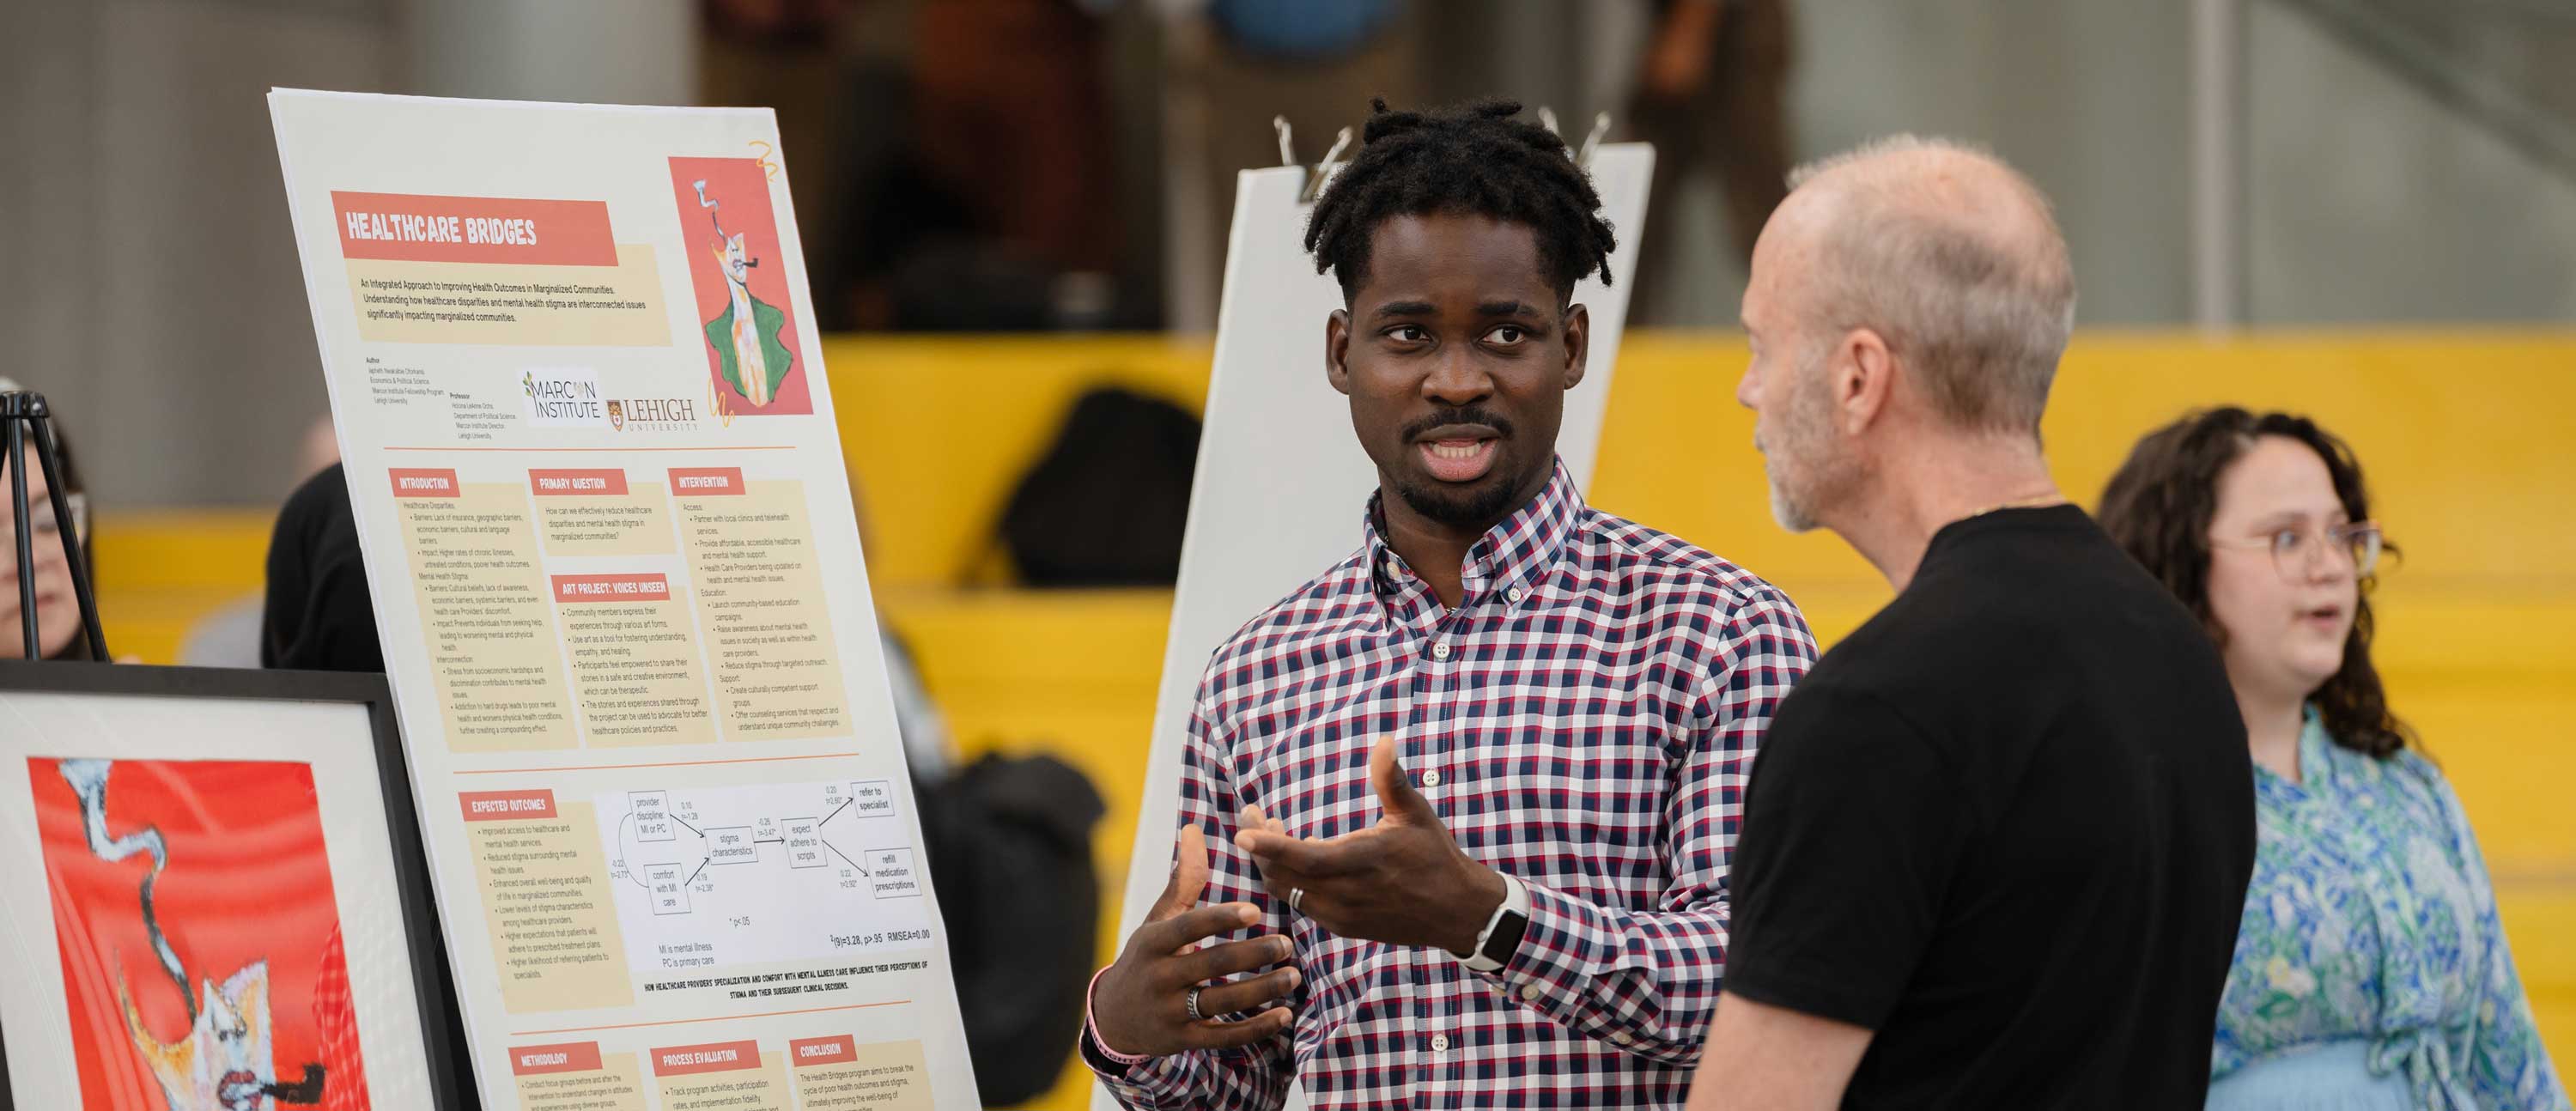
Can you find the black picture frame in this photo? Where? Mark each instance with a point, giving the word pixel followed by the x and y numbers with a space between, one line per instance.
pixel 441 1023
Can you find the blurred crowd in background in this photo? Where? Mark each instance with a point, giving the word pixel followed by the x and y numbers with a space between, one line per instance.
pixel 1068 164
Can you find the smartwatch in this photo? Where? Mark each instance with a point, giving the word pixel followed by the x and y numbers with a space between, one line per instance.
pixel 1501 936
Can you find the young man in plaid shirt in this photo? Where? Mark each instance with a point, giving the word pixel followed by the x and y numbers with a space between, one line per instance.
pixel 1457 814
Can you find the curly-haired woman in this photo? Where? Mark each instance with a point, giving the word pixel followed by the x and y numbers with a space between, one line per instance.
pixel 2370 970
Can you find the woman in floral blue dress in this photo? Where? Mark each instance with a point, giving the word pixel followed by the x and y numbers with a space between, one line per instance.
pixel 2370 971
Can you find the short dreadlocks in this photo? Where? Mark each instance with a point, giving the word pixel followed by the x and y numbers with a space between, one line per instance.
pixel 1475 160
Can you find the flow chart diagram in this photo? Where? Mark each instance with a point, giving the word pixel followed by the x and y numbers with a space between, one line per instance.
pixel 714 876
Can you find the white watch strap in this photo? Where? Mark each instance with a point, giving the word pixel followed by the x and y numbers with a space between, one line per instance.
pixel 1515 901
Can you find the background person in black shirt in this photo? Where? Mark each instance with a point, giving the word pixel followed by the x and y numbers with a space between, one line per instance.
pixel 1997 842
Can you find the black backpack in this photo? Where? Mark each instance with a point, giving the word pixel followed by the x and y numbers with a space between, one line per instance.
pixel 1009 843
pixel 1107 503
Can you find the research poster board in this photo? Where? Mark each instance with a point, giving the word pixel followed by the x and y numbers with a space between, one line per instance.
pixel 573 364
pixel 1281 477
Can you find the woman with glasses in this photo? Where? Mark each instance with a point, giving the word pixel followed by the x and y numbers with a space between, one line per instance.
pixel 2370 969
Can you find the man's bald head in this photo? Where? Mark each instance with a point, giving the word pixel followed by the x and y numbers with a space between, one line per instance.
pixel 1945 252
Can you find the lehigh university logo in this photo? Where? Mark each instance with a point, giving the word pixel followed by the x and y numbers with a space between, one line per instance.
pixel 653 414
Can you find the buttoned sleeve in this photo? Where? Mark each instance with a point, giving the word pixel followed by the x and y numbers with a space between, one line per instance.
pixel 1646 980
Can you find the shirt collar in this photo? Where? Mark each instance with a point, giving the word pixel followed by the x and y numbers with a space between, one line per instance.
pixel 2316 761
pixel 2316 750
pixel 1513 555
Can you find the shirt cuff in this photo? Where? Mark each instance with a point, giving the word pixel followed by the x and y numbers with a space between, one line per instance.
pixel 1091 1030
pixel 1560 951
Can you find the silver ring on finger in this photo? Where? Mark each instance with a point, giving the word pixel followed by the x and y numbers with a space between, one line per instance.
pixel 1193 1000
pixel 1295 896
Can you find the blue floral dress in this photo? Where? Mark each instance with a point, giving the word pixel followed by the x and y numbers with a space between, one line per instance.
pixel 2371 970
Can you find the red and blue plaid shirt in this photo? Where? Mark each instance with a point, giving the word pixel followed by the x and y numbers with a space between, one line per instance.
pixel 1584 721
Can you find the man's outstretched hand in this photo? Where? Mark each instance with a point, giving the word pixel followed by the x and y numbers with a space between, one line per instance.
pixel 1402 881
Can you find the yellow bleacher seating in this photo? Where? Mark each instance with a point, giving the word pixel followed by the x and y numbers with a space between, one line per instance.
pixel 2464 437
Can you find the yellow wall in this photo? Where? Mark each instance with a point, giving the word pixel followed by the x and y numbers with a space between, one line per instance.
pixel 2465 437
pixel 2461 437
pixel 937 430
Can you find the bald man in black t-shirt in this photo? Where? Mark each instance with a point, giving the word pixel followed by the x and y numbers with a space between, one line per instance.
pixel 1996 845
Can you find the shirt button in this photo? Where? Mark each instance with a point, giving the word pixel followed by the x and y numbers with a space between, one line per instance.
pixel 1530 993
pixel 1439 1043
pixel 1440 650
pixel 1431 778
pixel 1517 594
pixel 1620 1037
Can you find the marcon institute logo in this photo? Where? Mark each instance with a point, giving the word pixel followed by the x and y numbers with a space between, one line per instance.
pixel 563 397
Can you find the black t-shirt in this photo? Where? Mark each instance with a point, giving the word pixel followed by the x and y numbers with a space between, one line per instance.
pixel 2007 826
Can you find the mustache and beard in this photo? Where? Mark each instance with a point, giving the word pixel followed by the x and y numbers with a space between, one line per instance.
pixel 1471 504
pixel 1808 474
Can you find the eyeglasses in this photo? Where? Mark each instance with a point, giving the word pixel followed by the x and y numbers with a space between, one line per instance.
pixel 2295 550
pixel 44 533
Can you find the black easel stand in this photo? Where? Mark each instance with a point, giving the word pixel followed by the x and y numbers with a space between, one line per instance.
pixel 25 417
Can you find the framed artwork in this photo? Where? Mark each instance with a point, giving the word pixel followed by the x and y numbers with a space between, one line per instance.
pixel 216 898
